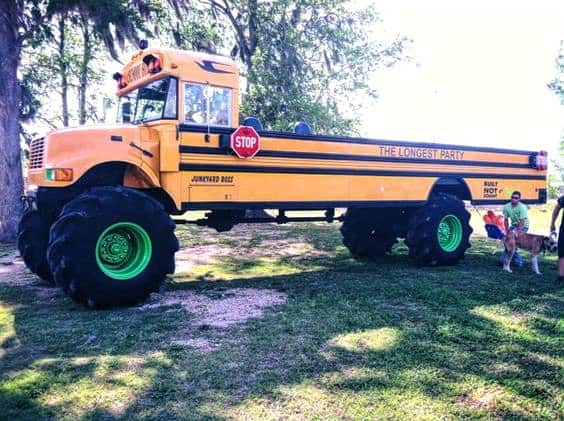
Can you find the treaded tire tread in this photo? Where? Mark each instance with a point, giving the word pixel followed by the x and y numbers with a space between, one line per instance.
pixel 72 242
pixel 422 238
pixel 32 242
pixel 366 234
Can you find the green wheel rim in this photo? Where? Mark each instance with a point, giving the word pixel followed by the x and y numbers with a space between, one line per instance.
pixel 450 233
pixel 123 250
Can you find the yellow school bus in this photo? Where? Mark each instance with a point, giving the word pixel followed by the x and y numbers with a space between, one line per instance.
pixel 98 220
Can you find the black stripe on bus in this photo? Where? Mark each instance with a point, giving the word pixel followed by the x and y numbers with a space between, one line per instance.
pixel 345 157
pixel 346 171
pixel 345 139
pixel 308 206
pixel 303 205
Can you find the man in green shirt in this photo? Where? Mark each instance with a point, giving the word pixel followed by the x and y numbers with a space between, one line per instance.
pixel 516 218
pixel 515 213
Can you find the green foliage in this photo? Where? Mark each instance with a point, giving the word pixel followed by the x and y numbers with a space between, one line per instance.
pixel 198 31
pixel 559 161
pixel 316 60
pixel 306 60
pixel 557 84
pixel 114 21
pixel 556 173
pixel 62 56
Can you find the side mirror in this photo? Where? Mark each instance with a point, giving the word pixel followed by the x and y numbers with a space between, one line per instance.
pixel 106 103
pixel 126 112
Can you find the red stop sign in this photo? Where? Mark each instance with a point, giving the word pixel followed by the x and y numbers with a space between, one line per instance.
pixel 245 141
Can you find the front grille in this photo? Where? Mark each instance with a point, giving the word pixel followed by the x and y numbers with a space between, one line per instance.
pixel 36 150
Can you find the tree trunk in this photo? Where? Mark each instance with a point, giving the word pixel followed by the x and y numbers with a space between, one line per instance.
pixel 83 75
pixel 11 179
pixel 63 71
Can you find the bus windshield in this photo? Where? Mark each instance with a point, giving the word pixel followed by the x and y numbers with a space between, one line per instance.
pixel 154 101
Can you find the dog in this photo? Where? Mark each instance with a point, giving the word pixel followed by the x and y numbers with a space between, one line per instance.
pixel 535 244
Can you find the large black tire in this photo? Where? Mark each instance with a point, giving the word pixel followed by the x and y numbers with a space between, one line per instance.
pixel 423 233
pixel 74 252
pixel 366 233
pixel 33 238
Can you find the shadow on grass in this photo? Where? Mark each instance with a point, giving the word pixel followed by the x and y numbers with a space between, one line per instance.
pixel 386 334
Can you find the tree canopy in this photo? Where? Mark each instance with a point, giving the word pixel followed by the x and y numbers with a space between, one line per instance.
pixel 306 59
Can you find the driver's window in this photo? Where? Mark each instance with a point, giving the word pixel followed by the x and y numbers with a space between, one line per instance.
pixel 151 100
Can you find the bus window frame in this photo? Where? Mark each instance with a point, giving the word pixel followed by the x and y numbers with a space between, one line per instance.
pixel 177 108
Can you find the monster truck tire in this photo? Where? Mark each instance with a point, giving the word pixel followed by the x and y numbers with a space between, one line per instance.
pixel 439 232
pixel 33 238
pixel 366 235
pixel 111 246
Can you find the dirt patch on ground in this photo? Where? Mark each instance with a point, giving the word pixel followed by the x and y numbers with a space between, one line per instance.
pixel 222 309
pixel 486 400
pixel 233 306
pixel 297 247
pixel 14 272
pixel 189 258
pixel 199 344
pixel 505 368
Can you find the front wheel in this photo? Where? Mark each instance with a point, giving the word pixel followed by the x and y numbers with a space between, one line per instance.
pixel 439 232
pixel 112 246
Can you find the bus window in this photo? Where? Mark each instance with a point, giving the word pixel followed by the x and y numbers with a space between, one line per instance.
pixel 151 100
pixel 220 107
pixel 195 104
pixel 154 101
pixel 207 105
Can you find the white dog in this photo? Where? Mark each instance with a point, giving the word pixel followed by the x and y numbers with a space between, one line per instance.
pixel 535 244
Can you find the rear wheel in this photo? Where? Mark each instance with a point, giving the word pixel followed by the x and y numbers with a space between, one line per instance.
pixel 33 238
pixel 112 246
pixel 367 234
pixel 439 232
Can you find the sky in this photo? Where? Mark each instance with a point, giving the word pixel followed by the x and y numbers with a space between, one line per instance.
pixel 477 74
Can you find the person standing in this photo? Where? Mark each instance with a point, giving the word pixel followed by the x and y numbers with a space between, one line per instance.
pixel 555 212
pixel 515 217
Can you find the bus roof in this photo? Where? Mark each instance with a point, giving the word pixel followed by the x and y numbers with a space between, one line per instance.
pixel 185 65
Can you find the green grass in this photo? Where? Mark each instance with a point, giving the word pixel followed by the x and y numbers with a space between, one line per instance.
pixel 358 340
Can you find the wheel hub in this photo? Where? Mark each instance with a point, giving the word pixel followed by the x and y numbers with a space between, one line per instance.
pixel 449 233
pixel 123 250
pixel 114 248
pixel 444 232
